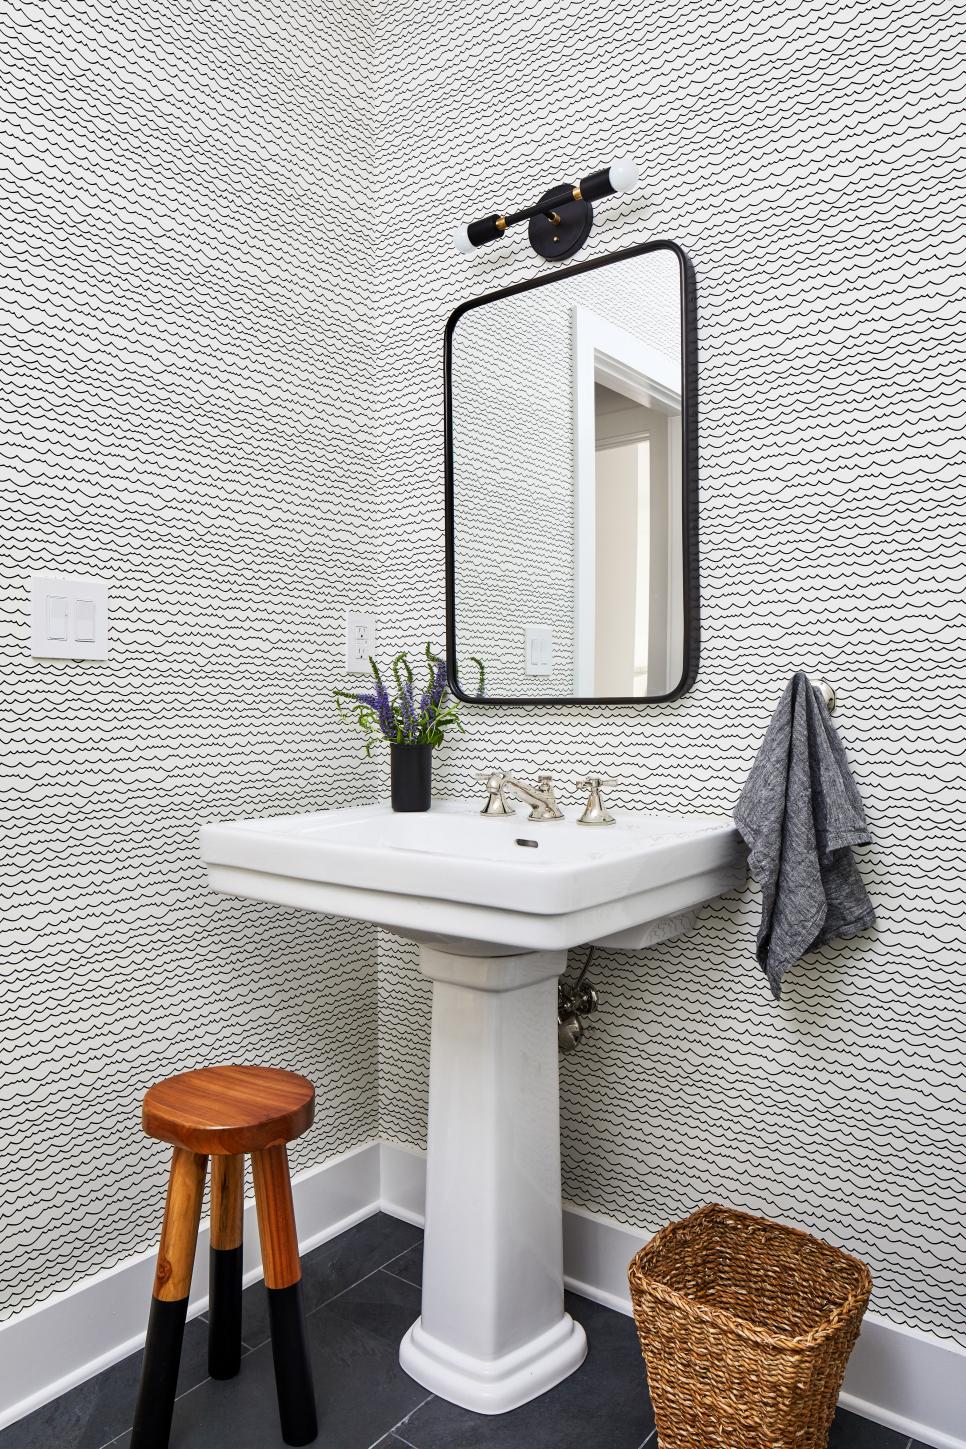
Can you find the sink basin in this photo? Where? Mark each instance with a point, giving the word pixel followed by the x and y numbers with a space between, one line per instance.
pixel 455 875
pixel 494 904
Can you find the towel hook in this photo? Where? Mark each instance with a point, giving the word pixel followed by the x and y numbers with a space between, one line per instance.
pixel 828 694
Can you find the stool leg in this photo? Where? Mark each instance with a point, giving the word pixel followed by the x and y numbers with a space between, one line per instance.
pixel 225 1266
pixel 169 1301
pixel 283 1279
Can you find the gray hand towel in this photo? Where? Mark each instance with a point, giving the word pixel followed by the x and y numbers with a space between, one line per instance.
pixel 799 814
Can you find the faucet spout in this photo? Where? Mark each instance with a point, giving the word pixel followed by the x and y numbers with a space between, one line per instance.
pixel 541 799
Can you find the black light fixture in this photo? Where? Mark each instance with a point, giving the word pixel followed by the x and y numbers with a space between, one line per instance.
pixel 561 220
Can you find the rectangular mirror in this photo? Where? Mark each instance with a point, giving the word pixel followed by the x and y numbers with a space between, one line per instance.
pixel 571 485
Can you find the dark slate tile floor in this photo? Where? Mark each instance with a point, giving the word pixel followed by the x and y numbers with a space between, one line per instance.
pixel 362 1291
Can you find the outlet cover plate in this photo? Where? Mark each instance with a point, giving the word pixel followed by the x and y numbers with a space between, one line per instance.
pixel 360 641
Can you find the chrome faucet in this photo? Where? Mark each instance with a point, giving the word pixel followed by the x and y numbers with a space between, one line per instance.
pixel 541 798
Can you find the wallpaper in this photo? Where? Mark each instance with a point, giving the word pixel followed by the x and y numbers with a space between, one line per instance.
pixel 228 268
pixel 173 299
pixel 807 158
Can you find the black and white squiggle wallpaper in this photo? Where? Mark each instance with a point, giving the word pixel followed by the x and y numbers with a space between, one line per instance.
pixel 175 422
pixel 225 391
pixel 807 157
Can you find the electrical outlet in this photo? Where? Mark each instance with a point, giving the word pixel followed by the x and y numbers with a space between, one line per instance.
pixel 360 641
pixel 68 616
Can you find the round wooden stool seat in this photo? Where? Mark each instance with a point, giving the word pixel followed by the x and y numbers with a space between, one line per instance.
pixel 226 1110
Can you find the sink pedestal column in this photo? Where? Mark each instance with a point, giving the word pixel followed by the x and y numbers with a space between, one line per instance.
pixel 493 1332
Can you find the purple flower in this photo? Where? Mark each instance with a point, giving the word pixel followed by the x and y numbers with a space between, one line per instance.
pixel 408 711
pixel 404 717
pixel 439 683
pixel 379 701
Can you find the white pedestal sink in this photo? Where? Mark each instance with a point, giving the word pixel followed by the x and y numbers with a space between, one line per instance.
pixel 495 903
pixel 493 1331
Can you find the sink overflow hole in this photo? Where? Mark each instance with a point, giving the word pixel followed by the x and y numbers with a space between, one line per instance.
pixel 531 843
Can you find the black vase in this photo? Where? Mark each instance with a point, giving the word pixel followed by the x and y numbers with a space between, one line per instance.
pixel 411 772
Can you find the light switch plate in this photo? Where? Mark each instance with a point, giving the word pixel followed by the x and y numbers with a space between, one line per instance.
pixel 538 644
pixel 68 616
pixel 360 641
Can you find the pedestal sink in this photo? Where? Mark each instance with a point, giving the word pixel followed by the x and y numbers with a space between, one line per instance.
pixel 494 903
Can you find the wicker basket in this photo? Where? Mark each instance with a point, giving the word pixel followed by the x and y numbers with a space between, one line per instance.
pixel 746 1327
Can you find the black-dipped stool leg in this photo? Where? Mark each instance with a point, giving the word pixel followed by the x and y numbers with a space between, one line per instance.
pixel 293 1373
pixel 283 1281
pixel 224 1315
pixel 159 1374
pixel 169 1301
pixel 225 1266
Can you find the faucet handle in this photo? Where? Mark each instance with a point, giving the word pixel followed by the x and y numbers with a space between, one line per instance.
pixel 595 811
pixel 496 803
pixel 546 789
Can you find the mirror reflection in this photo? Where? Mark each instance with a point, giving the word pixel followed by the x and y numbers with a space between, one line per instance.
pixel 569 505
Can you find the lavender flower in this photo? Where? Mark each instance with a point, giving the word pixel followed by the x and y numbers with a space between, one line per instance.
pixel 381 706
pixel 438 687
pixel 407 709
pixel 385 714
pixel 403 721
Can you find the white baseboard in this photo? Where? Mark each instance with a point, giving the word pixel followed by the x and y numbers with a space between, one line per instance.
pixel 75 1335
pixel 910 1381
pixel 403 1182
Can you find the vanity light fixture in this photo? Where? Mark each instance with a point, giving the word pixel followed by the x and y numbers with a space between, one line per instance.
pixel 561 220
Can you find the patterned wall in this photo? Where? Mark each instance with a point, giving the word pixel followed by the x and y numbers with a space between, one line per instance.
pixel 174 423
pixel 226 397
pixel 807 157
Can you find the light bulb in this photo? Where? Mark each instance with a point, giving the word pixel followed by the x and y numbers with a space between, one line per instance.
pixel 461 241
pixel 624 173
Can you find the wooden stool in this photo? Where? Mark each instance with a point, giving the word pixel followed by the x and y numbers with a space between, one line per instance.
pixel 224 1112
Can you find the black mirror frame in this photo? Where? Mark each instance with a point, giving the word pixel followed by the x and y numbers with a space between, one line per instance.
pixel 689 483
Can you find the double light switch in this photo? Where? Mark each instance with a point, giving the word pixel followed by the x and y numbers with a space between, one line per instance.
pixel 68 616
